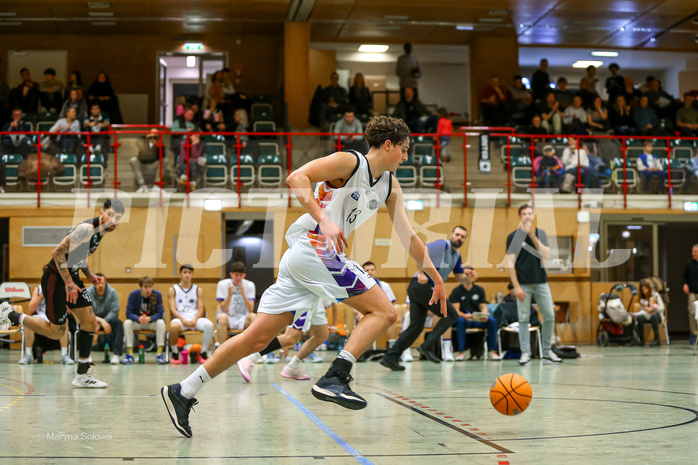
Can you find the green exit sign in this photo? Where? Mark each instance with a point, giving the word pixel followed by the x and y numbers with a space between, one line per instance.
pixel 690 207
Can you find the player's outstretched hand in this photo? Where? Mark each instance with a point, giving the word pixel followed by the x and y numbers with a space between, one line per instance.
pixel 334 235
pixel 439 295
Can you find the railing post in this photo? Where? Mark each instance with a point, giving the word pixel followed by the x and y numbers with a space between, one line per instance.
pixel 38 177
pixel 669 187
pixel 116 146
pixel 187 144
pixel 238 183
pixel 438 172
pixel 624 149
pixel 160 183
pixel 508 170
pixel 465 169
pixel 579 184
pixel 288 146
pixel 89 171
pixel 532 149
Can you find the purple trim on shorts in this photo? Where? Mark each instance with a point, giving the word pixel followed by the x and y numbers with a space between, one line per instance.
pixel 344 277
pixel 300 322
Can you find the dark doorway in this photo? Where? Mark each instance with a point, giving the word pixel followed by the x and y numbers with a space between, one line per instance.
pixel 249 245
pixel 637 239
pixel 675 243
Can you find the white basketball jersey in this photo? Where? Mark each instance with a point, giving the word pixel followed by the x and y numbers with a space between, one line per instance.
pixel 187 301
pixel 348 206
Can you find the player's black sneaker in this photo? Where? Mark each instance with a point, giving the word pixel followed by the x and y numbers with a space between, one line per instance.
pixel 334 387
pixel 178 407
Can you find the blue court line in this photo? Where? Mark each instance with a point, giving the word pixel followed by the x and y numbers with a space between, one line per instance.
pixel 336 437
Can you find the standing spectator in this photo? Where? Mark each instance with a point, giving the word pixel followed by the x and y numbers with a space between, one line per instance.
pixel 446 259
pixel 527 247
pixel 645 118
pixel 562 95
pixel 50 92
pixel 615 83
pixel 494 103
pixel 597 118
pixel 105 303
pixel 350 124
pixel 631 94
pixel 660 100
pixel 540 81
pixel 16 143
pixel 620 117
pixel 102 92
pixel 144 311
pixel 575 117
pixel 96 123
pixel 77 102
pixel 64 143
pixel 550 114
pixel 408 71
pixel 651 310
pixel 586 93
pixel 197 160
pixel 360 96
pixel 412 112
pixel 26 94
pixel 74 82
pixel 648 165
pixel 690 288
pixel 335 96
pixel 591 80
pixel 236 296
pixel 146 159
pixel 187 313
pixel 521 101
pixel 444 131
pixel 687 117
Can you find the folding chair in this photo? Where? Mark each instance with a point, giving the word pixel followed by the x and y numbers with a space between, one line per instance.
pixel 531 329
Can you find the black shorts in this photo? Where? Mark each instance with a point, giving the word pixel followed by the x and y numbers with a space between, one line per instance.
pixel 53 288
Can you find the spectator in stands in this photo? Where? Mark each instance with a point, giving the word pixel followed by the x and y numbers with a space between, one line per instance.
pixel 575 117
pixel 548 168
pixel 521 102
pixel 510 297
pixel 360 96
pixel 241 125
pixel 562 95
pixel 215 92
pixel 64 143
pixel 687 117
pixel 144 311
pixel 573 157
pixel 102 92
pixel 615 83
pixel 591 80
pixel 648 165
pixel 213 116
pixel 494 103
pixel 620 117
pixel 444 131
pixel 350 124
pixel 536 127
pixel 26 94
pixel 185 122
pixel 691 168
pixel 587 95
pixel 16 143
pixel 335 96
pixel 645 118
pixel 661 101
pixel 105 303
pixel 645 87
pixel 412 111
pixel 3 176
pixel 146 159
pixel 97 123
pixel 74 82
pixel 75 101
pixel 597 118
pixel 651 310
pixel 550 114
pixel 631 94
pixel 408 70
pixel 50 92
pixel 196 155
pixel 227 83
pixel 540 81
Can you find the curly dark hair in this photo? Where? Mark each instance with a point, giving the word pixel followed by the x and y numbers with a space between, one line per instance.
pixel 382 128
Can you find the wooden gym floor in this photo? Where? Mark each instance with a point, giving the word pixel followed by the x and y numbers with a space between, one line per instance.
pixel 614 405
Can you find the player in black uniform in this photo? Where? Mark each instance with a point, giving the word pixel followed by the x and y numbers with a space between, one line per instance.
pixel 63 288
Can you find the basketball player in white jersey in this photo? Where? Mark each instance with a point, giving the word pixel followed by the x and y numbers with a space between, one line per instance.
pixel 351 188
pixel 187 313
pixel 37 307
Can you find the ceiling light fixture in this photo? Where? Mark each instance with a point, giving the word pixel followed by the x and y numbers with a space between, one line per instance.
pixel 586 63
pixel 465 27
pixel 653 39
pixel 602 53
pixel 100 13
pixel 372 48
pixel 191 61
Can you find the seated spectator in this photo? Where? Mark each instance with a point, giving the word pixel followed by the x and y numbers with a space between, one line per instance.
pixel 213 117
pixel 144 311
pixel 648 165
pixel 537 128
pixel 50 92
pixel 548 168
pixel 26 94
pixel 691 171
pixel 521 100
pixel 510 297
pixel 350 124
pixel 631 94
pixel 74 82
pixel 562 95
pixel 645 118
pixel 102 92
pixel 16 143
pixel 197 160
pixel 241 125
pixel 550 114
pixel 687 117
pixel 588 96
pixel 335 97
pixel 414 114
pixel 573 157
pixel 184 123
pixel 444 131
pixel 105 304
pixel 651 310
pixel 236 297
pixel 56 144
pixel 75 101
pixel 98 122
pixel 494 103
pixel 661 101
pixel 597 118
pixel 615 83
pixel 360 96
pixel 468 299
pixel 620 117
pixel 146 159
pixel 589 81
pixel 575 117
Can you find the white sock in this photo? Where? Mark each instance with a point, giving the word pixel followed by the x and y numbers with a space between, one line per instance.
pixel 347 356
pixel 295 361
pixel 28 351
pixel 254 357
pixel 21 319
pixel 195 382
pixel 174 348
pixel 64 351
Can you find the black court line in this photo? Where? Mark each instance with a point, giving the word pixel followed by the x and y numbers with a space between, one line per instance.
pixel 449 425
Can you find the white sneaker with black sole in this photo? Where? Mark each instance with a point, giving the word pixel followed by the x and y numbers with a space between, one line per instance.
pixel 525 359
pixel 551 357
pixel 87 380
pixel 5 310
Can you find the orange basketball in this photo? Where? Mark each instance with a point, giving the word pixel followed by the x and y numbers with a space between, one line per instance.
pixel 510 394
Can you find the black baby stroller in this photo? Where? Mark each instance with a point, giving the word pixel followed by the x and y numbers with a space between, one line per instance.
pixel 616 325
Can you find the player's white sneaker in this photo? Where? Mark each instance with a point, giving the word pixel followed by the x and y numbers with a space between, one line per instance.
pixel 66 360
pixel 245 365
pixel 525 359
pixel 551 357
pixel 87 381
pixel 114 360
pixel 26 360
pixel 5 310
pixel 407 355
pixel 294 373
